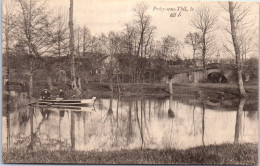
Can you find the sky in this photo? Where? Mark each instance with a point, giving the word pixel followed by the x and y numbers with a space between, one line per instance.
pixel 106 15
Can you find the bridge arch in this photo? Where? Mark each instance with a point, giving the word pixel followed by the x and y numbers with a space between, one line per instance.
pixel 219 76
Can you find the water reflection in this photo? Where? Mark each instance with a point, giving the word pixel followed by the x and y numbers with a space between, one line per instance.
pixel 72 131
pixel 130 123
pixel 30 146
pixel 170 111
pixel 203 122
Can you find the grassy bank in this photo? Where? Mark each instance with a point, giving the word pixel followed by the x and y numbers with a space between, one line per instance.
pixel 243 154
pixel 159 90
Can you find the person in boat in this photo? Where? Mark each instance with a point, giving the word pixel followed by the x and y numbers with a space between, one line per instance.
pixel 62 94
pixel 45 94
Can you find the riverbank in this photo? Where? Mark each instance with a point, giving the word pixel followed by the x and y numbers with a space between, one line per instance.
pixel 158 90
pixel 228 154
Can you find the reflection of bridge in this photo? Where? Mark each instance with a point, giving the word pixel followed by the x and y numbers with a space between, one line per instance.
pixel 215 72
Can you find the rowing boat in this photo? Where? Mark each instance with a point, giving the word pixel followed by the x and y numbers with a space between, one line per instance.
pixel 61 102
pixel 68 108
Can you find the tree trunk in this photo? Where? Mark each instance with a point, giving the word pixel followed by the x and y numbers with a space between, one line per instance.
pixel 238 126
pixel 72 131
pixel 194 51
pixel 241 88
pixel 170 86
pixel 59 77
pixel 30 146
pixel 71 45
pixel 49 82
pixel 117 80
pixel 240 82
pixel 31 85
pixel 170 110
pixel 153 77
pixel 65 78
pixel 194 60
pixel 111 85
pixel 204 54
pixel 79 83
pixel 84 41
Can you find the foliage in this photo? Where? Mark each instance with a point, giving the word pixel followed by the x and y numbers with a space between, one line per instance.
pixel 251 67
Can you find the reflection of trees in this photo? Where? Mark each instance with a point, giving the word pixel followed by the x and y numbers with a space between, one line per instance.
pixel 170 111
pixel 145 119
pixel 100 104
pixel 30 147
pixel 149 109
pixel 34 138
pixel 23 116
pixel 72 130
pixel 238 126
pixel 171 116
pixel 117 111
pixel 117 132
pixel 139 124
pixel 87 117
pixel 130 125
pixel 160 108
pixel 45 112
pixel 193 118
pixel 115 124
pixel 109 112
pixel 252 115
pixel 8 123
pixel 110 118
pixel 61 112
pixel 131 129
pixel 84 127
pixel 142 124
pixel 78 114
pixel 203 122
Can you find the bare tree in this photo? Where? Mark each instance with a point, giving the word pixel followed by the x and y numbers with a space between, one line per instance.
pixel 86 41
pixel 194 40
pixel 60 39
pixel 34 27
pixel 240 29
pixel 78 40
pixel 246 43
pixel 234 26
pixel 149 39
pixel 111 65
pixel 8 28
pixel 143 21
pixel 129 39
pixel 60 34
pixel 204 20
pixel 170 49
pixel 8 25
pixel 71 46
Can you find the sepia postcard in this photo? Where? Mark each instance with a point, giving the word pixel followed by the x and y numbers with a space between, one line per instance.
pixel 130 82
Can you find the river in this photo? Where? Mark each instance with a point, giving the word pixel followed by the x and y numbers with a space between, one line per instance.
pixel 129 123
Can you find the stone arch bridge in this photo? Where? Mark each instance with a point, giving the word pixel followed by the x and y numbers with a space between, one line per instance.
pixel 216 73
